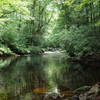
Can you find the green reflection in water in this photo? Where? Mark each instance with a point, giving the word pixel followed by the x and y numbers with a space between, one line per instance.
pixel 20 76
pixel 53 68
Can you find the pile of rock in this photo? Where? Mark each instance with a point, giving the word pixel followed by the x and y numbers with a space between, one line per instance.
pixel 83 93
pixel 87 93
pixel 55 96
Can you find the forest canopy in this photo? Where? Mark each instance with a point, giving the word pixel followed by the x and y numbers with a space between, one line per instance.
pixel 77 28
pixel 28 26
pixel 22 24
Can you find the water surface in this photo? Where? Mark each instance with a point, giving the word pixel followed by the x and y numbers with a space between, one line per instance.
pixel 29 77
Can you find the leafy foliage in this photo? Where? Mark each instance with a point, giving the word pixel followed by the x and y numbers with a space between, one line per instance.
pixel 22 24
pixel 73 25
pixel 77 27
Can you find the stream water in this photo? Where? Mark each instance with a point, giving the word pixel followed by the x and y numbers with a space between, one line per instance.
pixel 30 77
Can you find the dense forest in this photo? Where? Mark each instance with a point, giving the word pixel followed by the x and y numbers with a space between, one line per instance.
pixel 77 27
pixel 49 49
pixel 29 26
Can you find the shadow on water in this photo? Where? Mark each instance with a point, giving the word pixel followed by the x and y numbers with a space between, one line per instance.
pixel 29 78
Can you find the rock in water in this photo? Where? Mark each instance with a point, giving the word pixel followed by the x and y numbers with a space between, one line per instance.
pixel 75 97
pixel 87 93
pixel 54 96
pixel 95 90
pixel 82 89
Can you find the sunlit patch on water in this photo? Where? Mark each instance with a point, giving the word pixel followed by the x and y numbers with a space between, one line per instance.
pixel 55 90
pixel 67 93
pixel 43 90
pixel 40 90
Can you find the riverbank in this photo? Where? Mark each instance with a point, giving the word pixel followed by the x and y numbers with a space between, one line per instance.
pixel 6 52
pixel 87 93
pixel 86 59
pixel 82 93
pixel 89 58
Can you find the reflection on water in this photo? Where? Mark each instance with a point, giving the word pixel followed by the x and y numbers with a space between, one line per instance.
pixel 28 78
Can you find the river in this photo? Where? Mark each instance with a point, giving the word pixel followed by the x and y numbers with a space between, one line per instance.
pixel 30 77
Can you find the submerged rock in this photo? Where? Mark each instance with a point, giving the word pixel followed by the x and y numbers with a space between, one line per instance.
pixel 54 96
pixel 82 89
pixel 73 59
pixel 51 96
pixel 75 97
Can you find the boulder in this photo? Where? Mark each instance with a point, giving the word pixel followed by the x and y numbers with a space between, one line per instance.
pixel 82 89
pixel 54 96
pixel 88 93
